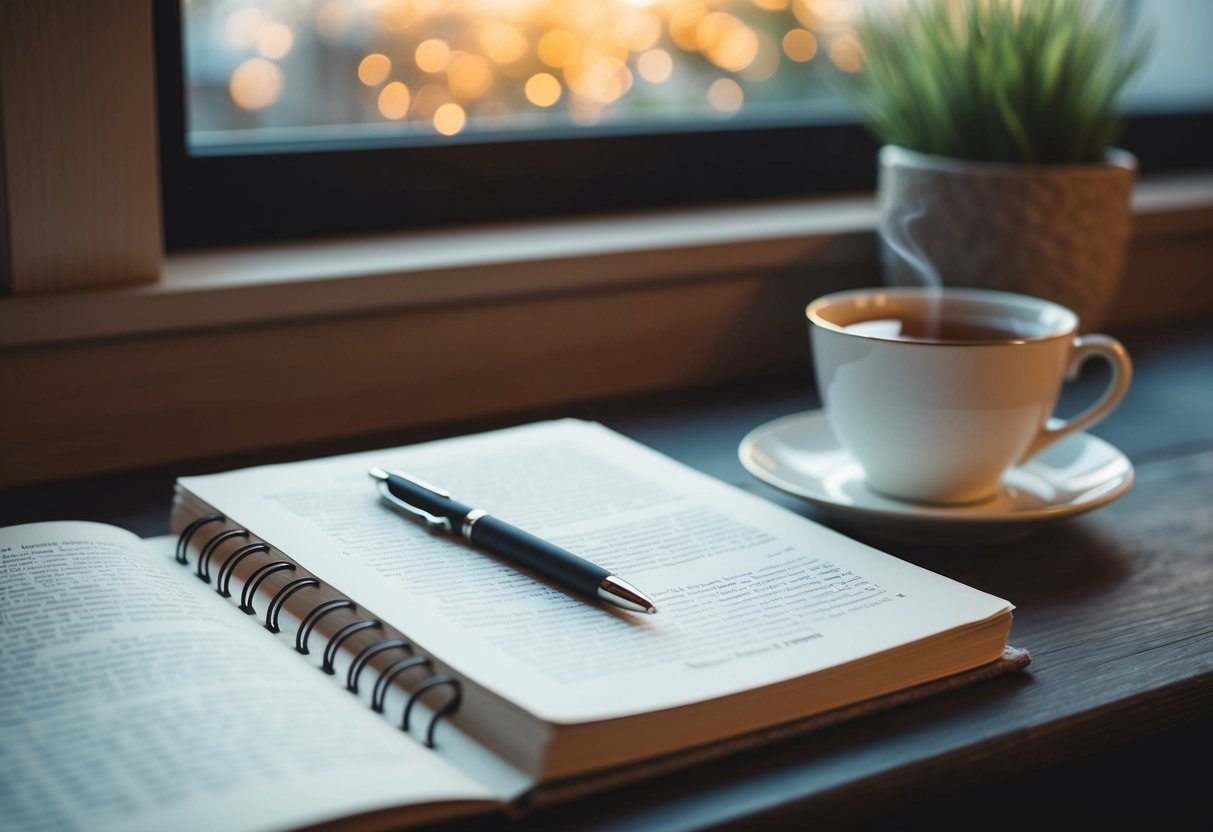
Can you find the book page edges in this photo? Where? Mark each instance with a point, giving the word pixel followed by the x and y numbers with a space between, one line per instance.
pixel 1012 659
pixel 948 654
pixel 547 750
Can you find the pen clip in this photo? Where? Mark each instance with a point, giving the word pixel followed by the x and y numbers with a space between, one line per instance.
pixel 432 522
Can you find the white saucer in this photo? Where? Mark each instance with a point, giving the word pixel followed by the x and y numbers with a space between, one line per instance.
pixel 800 455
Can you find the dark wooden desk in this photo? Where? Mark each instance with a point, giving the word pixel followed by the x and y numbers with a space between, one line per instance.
pixel 1113 719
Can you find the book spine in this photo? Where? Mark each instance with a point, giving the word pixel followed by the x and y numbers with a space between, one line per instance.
pixel 271 581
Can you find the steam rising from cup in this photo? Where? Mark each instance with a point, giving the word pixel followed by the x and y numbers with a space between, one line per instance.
pixel 897 234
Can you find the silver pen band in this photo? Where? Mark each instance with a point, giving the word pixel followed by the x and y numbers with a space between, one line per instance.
pixel 470 520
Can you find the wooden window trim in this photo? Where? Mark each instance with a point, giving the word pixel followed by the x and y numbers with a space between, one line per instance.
pixel 278 283
pixel 161 375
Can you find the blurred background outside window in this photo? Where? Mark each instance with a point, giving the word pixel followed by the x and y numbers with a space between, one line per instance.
pixel 324 73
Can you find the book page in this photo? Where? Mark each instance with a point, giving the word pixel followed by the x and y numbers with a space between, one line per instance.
pixel 747 593
pixel 135 698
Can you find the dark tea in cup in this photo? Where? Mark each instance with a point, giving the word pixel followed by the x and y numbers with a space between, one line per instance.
pixel 933 329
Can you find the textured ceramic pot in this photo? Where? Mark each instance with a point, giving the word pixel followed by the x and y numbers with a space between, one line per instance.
pixel 1058 232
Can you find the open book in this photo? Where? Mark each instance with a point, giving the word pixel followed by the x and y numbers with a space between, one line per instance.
pixel 137 696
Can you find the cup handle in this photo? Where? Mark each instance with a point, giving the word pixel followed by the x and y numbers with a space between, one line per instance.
pixel 1085 347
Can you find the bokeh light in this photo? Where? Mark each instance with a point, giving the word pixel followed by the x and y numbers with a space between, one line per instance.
pixel 394 101
pixel 542 89
pixel 378 66
pixel 726 41
pixel 449 119
pixel 558 48
pixel 655 66
pixel 502 43
pixel 470 76
pixel 256 84
pixel 846 53
pixel 274 40
pixel 374 69
pixel 726 95
pixel 800 45
pixel 432 55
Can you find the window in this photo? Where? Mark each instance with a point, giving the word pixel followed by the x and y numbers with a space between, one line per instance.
pixel 302 118
pixel 411 73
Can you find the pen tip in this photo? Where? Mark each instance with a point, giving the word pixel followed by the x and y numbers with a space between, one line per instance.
pixel 622 594
pixel 378 473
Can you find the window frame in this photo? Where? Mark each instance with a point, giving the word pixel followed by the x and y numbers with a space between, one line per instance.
pixel 271 194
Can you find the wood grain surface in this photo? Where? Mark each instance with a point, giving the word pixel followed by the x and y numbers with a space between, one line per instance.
pixel 80 195
pixel 1114 717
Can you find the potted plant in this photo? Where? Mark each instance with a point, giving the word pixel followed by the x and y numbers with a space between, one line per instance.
pixel 999 119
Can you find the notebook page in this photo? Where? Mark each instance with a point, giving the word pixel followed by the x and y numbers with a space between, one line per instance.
pixel 747 592
pixel 133 697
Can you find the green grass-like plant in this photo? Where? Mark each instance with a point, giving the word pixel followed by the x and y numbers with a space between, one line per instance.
pixel 1020 81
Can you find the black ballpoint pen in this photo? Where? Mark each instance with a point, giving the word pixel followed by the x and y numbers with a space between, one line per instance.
pixel 436 508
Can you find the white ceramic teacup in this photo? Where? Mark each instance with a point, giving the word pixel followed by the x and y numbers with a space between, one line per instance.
pixel 937 392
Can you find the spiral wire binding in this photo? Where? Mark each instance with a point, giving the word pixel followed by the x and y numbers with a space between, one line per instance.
pixel 365 655
pixel 449 707
pixel 280 598
pixel 330 649
pixel 314 615
pixel 223 579
pixel 254 581
pixel 383 682
pixel 183 541
pixel 204 558
pixel 379 693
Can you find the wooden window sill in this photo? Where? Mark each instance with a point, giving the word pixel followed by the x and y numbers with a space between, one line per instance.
pixel 350 276
pixel 277 346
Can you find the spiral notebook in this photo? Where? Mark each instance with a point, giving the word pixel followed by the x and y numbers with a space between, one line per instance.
pixel 299 655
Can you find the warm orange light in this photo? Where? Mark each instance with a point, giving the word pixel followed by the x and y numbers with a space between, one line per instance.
pixel 493 58
pixel 503 43
pixel 432 55
pixel 726 95
pixel 398 15
pixel 449 119
pixel 655 66
pixel 582 14
pixel 800 45
pixel 428 99
pixel 831 10
pixel 470 76
pixel 638 29
pixel 394 101
pixel 374 69
pixel 805 14
pixel 604 44
pixel 274 40
pixel 765 63
pixel 256 84
pixel 726 41
pixel 558 48
pixel 603 82
pixel 846 53
pixel 543 90
pixel 684 23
